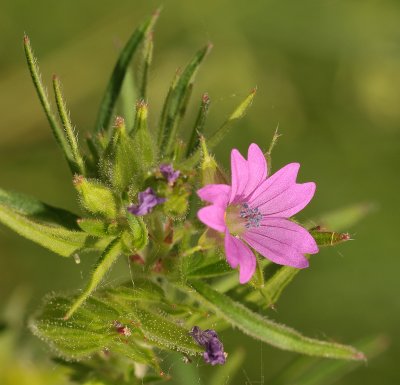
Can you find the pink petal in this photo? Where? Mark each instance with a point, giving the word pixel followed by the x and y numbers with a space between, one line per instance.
pixel 237 253
pixel 288 202
pixel 276 250
pixel 213 216
pixel 257 169
pixel 240 171
pixel 215 193
pixel 275 184
pixel 289 233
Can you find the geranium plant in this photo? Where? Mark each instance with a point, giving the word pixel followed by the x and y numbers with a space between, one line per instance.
pixel 197 267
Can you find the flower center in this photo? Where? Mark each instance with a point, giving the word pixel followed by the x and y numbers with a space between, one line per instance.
pixel 253 217
pixel 242 217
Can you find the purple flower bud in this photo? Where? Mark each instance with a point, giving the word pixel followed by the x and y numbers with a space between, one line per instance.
pixel 169 174
pixel 147 200
pixel 214 350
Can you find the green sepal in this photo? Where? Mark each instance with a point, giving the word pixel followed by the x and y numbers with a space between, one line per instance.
pixel 211 172
pixel 121 163
pixel 177 100
pixel 137 237
pixel 50 227
pixel 98 227
pixel 268 331
pixel 143 141
pixel 117 77
pixel 328 238
pixel 95 197
pixel 177 203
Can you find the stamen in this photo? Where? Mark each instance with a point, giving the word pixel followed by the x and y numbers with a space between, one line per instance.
pixel 252 215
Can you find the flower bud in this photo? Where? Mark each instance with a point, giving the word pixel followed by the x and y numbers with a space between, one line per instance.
pixel 95 197
pixel 211 172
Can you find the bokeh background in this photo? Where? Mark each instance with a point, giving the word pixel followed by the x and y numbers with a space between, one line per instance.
pixel 328 72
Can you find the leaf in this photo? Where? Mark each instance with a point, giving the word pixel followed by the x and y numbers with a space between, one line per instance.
pixel 92 329
pixel 144 67
pixel 268 331
pixel 52 228
pixel 44 101
pixel 79 165
pixel 176 101
pixel 165 333
pixel 117 77
pixel 211 270
pixel 103 265
pixel 238 113
pixel 314 371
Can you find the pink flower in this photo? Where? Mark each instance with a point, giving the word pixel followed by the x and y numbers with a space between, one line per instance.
pixel 254 210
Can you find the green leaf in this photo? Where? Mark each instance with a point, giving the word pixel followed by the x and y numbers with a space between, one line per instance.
pixel 92 329
pixel 164 333
pixel 95 197
pixel 128 98
pixel 176 102
pixel 103 265
pixel 144 66
pixel 117 77
pixel 314 371
pixel 52 228
pixel 215 269
pixel 268 331
pixel 97 227
pixel 79 164
pixel 199 125
pixel 238 113
pixel 44 100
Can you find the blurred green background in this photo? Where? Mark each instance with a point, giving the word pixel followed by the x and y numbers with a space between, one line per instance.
pixel 328 72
